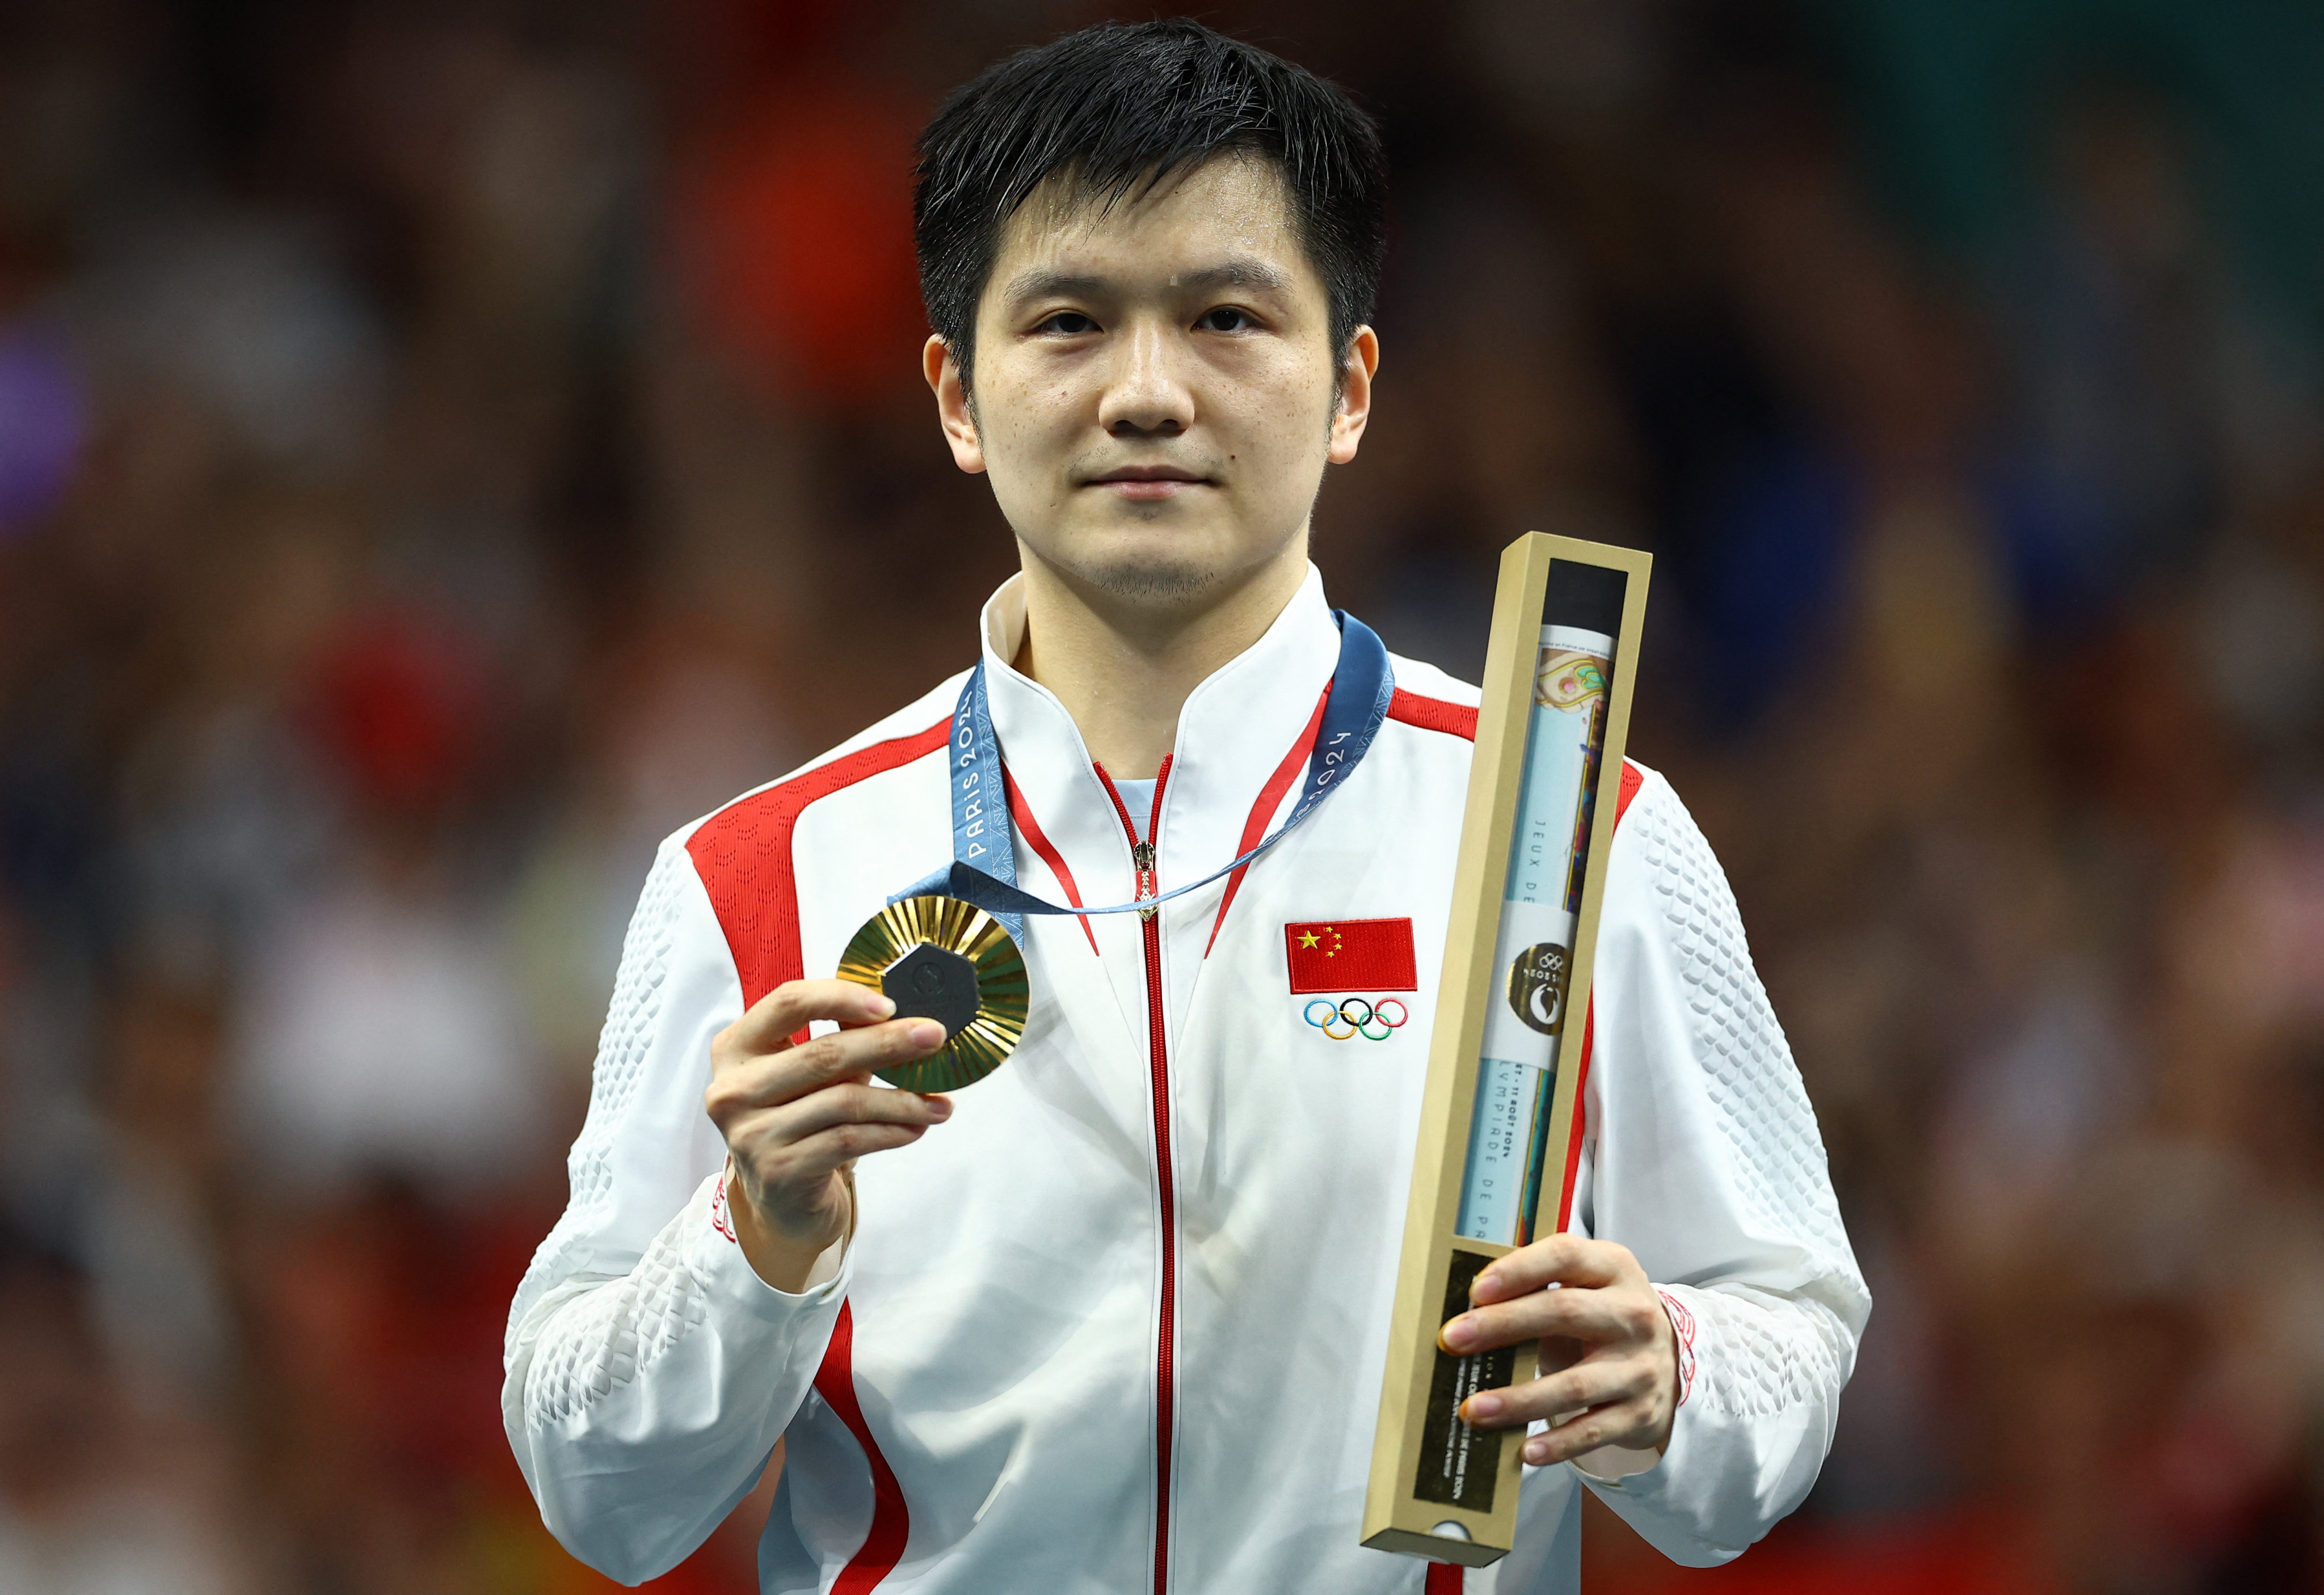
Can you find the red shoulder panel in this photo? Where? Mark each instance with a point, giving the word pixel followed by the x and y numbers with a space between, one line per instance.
pixel 1433 715
pixel 744 855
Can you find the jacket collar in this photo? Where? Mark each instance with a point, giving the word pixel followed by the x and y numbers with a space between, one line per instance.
pixel 1234 730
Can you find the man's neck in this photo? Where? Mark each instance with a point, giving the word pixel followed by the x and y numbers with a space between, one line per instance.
pixel 1123 670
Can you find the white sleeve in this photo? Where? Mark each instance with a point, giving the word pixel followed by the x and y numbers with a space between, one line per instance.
pixel 1708 1165
pixel 649 1370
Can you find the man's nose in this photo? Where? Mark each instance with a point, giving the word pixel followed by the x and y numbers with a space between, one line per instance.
pixel 1146 394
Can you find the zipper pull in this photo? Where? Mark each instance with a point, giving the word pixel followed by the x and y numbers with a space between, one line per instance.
pixel 1141 853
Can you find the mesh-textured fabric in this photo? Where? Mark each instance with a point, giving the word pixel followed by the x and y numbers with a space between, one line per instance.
pixel 1755 1356
pixel 621 1046
pixel 1753 1083
pixel 614 1331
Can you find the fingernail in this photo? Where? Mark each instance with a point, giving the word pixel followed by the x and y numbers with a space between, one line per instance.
pixel 1487 1281
pixel 1536 1451
pixel 939 1108
pixel 1483 1407
pixel 927 1033
pixel 883 1005
pixel 1460 1332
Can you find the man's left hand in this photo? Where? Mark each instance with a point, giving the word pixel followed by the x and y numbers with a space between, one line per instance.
pixel 1608 1358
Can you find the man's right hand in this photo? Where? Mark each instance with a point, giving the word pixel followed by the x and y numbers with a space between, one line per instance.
pixel 797 1115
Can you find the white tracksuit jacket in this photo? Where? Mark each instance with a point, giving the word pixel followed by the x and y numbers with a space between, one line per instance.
pixel 1118 1325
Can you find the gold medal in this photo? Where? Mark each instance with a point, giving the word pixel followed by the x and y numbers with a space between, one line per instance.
pixel 939 958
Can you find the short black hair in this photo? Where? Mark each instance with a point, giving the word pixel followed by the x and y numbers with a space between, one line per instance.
pixel 1121 106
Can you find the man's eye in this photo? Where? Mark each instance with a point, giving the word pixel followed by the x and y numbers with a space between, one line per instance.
pixel 1225 318
pixel 1069 323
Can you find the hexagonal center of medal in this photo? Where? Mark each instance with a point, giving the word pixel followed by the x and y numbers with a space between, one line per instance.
pixel 930 982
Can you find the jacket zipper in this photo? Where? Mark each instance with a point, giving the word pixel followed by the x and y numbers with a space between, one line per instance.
pixel 1141 854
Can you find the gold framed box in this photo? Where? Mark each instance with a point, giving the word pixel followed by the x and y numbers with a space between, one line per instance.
pixel 1438 1490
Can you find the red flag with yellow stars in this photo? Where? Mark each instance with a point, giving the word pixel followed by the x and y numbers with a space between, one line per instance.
pixel 1351 955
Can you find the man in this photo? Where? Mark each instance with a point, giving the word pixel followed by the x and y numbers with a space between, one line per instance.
pixel 1114 1318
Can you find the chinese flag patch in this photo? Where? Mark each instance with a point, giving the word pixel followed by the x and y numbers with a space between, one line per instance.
pixel 1351 955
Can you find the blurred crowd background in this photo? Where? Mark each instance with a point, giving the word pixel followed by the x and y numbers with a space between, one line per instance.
pixel 443 448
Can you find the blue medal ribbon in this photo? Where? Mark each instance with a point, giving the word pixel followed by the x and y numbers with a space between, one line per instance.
pixel 983 869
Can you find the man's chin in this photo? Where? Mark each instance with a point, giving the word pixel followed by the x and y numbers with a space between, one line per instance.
pixel 1149 580
pixel 1179 563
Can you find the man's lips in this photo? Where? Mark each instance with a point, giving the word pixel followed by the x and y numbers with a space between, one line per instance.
pixel 1148 482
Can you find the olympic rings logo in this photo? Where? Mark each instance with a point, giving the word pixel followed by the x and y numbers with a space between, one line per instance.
pixel 1374 1014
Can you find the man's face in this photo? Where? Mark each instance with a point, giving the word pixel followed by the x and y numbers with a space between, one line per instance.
pixel 1155 389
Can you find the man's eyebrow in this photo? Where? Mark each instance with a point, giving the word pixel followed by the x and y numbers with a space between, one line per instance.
pixel 1039 284
pixel 1241 271
pixel 1236 272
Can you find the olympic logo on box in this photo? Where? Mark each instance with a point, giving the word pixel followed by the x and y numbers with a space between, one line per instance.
pixel 1374 1014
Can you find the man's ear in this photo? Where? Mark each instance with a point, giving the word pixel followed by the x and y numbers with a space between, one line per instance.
pixel 954 413
pixel 1355 406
